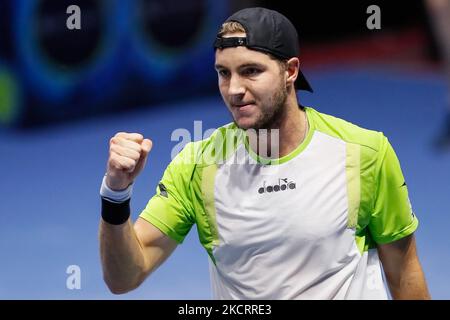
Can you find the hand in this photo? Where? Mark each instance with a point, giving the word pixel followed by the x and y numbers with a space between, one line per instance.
pixel 127 157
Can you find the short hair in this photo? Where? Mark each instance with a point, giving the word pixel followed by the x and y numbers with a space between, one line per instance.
pixel 230 27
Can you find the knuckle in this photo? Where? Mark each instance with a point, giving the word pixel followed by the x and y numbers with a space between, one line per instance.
pixel 133 146
pixel 114 150
pixel 130 165
pixel 114 163
pixel 136 155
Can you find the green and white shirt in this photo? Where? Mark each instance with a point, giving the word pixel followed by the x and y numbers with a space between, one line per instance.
pixel 304 226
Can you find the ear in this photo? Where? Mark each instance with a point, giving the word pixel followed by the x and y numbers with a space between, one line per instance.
pixel 293 65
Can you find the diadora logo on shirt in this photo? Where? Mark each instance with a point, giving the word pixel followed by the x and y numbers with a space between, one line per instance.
pixel 283 184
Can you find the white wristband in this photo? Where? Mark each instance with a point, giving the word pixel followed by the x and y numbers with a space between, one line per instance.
pixel 115 196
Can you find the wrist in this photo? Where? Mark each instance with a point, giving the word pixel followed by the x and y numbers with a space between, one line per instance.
pixel 116 184
pixel 115 195
pixel 115 213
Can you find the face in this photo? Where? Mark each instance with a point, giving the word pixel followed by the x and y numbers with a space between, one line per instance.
pixel 252 86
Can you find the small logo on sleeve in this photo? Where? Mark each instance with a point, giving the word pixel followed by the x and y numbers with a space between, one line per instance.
pixel 163 190
pixel 410 207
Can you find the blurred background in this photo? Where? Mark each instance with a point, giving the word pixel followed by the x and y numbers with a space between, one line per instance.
pixel 147 66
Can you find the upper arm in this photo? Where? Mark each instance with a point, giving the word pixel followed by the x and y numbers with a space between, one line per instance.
pixel 403 271
pixel 392 226
pixel 171 209
pixel 392 217
pixel 168 216
pixel 396 256
pixel 156 246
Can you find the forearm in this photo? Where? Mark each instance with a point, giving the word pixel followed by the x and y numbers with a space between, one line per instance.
pixel 122 257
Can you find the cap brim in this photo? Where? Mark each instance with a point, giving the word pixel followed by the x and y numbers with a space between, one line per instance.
pixel 301 83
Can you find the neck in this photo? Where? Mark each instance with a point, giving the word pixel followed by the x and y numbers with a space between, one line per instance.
pixel 284 136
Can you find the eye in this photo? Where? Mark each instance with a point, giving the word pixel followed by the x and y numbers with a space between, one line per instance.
pixel 251 71
pixel 223 73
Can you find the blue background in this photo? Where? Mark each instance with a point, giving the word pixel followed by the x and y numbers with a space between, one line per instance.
pixel 51 177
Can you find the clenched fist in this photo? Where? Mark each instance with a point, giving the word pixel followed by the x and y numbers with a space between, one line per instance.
pixel 127 156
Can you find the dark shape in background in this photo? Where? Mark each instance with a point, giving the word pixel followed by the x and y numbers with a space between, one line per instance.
pixel 127 54
pixel 139 53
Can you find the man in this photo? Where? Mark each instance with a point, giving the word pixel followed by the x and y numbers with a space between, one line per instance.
pixel 310 219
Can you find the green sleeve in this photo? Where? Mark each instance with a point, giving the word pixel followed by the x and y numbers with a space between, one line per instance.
pixel 392 217
pixel 171 209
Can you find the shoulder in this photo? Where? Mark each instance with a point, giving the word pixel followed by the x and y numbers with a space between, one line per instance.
pixel 370 140
pixel 218 146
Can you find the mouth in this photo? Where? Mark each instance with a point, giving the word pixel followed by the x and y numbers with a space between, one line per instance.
pixel 244 110
pixel 243 105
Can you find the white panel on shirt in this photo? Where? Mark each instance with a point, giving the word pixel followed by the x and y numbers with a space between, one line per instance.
pixel 291 243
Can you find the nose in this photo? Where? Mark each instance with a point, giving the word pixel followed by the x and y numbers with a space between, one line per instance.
pixel 236 86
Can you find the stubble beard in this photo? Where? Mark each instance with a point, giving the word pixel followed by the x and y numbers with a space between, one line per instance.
pixel 272 112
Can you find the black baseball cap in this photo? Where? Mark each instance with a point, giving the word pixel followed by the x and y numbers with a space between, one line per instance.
pixel 267 31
